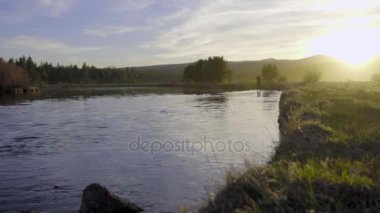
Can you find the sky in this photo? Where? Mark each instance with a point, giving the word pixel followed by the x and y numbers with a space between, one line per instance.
pixel 145 32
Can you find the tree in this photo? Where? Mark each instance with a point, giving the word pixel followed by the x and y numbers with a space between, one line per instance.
pixel 376 79
pixel 193 72
pixel 31 69
pixel 312 77
pixel 269 72
pixel 213 70
pixel 11 61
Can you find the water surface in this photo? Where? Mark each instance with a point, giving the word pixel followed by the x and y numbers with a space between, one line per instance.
pixel 160 148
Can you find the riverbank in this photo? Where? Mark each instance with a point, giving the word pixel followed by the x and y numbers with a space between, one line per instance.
pixel 88 90
pixel 19 90
pixel 216 86
pixel 326 161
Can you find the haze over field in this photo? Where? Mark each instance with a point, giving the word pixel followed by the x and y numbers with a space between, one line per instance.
pixel 330 68
pixel 133 33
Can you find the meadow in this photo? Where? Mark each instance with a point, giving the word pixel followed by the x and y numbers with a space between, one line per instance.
pixel 326 160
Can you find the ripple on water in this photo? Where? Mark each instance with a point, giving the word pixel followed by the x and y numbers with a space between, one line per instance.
pixel 71 143
pixel 21 139
pixel 32 145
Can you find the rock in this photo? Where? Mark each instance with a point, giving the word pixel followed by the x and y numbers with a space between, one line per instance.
pixel 98 199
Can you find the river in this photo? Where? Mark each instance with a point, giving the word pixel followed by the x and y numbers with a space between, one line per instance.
pixel 163 149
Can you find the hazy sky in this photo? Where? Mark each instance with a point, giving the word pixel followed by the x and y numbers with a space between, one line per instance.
pixel 143 32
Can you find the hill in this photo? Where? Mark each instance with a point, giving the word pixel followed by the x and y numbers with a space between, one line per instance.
pixel 294 70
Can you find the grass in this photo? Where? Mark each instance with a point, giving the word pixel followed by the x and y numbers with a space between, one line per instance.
pixel 326 161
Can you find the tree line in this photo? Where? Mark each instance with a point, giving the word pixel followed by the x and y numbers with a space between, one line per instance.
pixel 212 70
pixel 70 74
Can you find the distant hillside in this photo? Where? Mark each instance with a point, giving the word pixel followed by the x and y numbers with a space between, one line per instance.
pixel 160 73
pixel 293 70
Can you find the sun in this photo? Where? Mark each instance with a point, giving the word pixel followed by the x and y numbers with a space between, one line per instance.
pixel 353 38
pixel 354 46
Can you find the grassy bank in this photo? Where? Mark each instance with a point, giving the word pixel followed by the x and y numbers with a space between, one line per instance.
pixel 327 160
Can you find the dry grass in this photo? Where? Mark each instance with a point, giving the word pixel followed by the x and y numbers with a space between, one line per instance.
pixel 327 159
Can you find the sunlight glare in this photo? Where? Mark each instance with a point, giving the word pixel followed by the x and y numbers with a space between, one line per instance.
pixel 354 38
pixel 353 46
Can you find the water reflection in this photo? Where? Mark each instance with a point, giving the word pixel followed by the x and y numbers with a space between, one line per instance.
pixel 209 102
pixel 266 93
pixel 270 99
pixel 269 93
pixel 62 94
pixel 75 137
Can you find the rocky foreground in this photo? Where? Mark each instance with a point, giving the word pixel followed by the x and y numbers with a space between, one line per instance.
pixel 98 199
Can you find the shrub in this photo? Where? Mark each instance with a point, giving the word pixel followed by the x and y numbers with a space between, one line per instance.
pixel 312 77
pixel 376 79
pixel 11 76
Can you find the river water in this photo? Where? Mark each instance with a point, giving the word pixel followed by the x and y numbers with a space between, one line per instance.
pixel 163 149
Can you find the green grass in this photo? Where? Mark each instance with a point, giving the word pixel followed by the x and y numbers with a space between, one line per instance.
pixel 327 160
